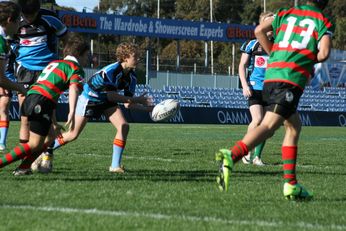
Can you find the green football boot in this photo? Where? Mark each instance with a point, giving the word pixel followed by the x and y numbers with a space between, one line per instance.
pixel 223 157
pixel 296 192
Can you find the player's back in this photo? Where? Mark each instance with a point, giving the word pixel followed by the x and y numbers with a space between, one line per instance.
pixel 56 78
pixel 37 40
pixel 297 32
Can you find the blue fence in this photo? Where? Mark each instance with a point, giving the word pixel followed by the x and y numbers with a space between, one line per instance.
pixel 200 115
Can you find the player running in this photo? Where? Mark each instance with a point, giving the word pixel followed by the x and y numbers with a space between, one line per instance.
pixel 41 101
pixel 302 38
pixel 101 96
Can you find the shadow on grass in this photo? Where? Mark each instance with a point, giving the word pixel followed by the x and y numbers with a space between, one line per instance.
pixel 95 175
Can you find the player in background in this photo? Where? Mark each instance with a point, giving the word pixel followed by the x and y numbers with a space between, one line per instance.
pixel 37 34
pixel 302 37
pixel 41 100
pixel 101 96
pixel 255 58
pixel 6 96
pixel 9 22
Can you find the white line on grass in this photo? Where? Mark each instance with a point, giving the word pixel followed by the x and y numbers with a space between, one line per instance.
pixel 138 158
pixel 159 216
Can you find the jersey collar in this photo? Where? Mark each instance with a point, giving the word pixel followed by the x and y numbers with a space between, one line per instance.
pixel 71 58
pixel 2 32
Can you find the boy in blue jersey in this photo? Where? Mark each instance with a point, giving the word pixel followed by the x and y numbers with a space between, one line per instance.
pixel 37 34
pixel 254 62
pixel 101 96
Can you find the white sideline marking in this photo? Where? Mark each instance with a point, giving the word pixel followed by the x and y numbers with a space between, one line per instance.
pixel 159 216
pixel 138 157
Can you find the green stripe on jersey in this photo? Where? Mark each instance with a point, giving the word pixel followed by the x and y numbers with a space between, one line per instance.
pixel 56 78
pixel 297 32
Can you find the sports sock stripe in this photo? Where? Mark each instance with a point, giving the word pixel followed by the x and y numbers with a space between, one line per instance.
pixel 17 153
pixel 239 150
pixel 289 158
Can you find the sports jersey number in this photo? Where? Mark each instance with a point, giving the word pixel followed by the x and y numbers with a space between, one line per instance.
pixel 46 72
pixel 306 34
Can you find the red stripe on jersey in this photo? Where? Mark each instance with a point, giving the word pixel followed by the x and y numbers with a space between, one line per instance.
pixel 42 92
pixel 309 13
pixel 283 81
pixel 60 73
pixel 76 77
pixel 307 53
pixel 296 30
pixel 295 67
pixel 51 86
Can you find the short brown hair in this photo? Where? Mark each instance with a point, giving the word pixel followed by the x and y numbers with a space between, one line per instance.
pixel 9 10
pixel 124 50
pixel 29 7
pixel 265 15
pixel 75 45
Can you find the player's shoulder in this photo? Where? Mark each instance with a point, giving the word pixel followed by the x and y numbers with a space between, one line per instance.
pixel 248 46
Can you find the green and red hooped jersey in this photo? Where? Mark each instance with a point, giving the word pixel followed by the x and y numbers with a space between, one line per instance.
pixel 297 32
pixel 4 48
pixel 56 78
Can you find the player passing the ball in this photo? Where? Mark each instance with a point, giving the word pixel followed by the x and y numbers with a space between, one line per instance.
pixel 41 100
pixel 101 95
pixel 302 38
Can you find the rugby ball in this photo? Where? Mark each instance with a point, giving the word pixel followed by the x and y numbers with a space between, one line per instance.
pixel 165 110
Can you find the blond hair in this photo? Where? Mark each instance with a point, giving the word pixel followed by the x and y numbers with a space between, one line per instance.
pixel 124 50
pixel 265 15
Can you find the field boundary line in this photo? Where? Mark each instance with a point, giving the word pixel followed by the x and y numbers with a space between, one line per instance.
pixel 160 216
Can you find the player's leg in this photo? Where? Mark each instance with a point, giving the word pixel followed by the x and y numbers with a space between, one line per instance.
pixel 292 190
pixel 24 123
pixel 228 157
pixel 118 120
pixel 257 113
pixel 5 99
pixel 71 135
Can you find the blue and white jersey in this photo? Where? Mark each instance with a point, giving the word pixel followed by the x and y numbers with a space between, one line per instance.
pixel 37 40
pixel 110 78
pixel 258 63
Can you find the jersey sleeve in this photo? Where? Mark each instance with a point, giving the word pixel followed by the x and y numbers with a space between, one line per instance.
pixel 3 49
pixel 247 47
pixel 77 78
pixel 131 90
pixel 58 27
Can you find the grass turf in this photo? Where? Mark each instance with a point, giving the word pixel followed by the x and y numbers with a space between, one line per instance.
pixel 170 183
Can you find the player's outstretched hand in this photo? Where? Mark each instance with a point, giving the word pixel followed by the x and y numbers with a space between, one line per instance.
pixel 70 121
pixel 58 129
pixel 144 99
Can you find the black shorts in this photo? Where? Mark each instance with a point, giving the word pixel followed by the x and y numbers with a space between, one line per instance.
pixel 281 98
pixel 27 77
pixel 39 111
pixel 256 98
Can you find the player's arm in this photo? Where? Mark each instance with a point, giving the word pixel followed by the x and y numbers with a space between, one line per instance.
pixel 6 83
pixel 113 96
pixel 72 101
pixel 243 64
pixel 139 107
pixel 324 48
pixel 261 34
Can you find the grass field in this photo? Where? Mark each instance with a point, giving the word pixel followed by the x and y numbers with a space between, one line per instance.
pixel 170 183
